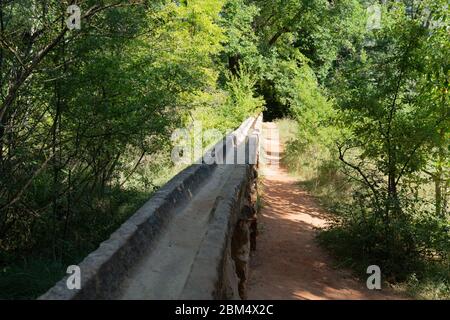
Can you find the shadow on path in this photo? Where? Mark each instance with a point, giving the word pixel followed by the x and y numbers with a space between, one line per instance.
pixel 288 263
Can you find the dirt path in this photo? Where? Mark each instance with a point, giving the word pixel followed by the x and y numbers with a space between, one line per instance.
pixel 288 263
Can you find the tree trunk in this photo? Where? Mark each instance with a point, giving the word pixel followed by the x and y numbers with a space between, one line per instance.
pixel 233 64
pixel 439 176
pixel 2 128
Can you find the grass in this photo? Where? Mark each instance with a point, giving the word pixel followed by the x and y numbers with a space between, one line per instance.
pixel 433 284
pixel 430 279
pixel 313 166
pixel 288 129
pixel 29 278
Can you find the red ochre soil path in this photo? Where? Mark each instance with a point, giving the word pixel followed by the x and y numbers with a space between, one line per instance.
pixel 288 263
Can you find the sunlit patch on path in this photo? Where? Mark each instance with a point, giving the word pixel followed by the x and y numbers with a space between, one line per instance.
pixel 288 263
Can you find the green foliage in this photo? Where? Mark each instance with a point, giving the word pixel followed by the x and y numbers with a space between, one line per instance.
pixel 86 118
pixel 415 255
pixel 242 41
pixel 30 279
pixel 375 141
pixel 384 99
pixel 87 115
pixel 237 102
pixel 241 101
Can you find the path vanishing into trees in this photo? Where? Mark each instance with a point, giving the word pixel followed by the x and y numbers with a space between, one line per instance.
pixel 288 263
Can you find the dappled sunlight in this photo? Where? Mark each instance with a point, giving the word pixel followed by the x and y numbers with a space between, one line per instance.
pixel 288 263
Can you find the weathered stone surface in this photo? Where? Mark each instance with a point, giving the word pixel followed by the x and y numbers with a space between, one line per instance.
pixel 103 270
pixel 220 265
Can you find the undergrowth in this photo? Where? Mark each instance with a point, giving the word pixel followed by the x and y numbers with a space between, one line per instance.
pixel 413 251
